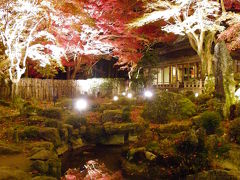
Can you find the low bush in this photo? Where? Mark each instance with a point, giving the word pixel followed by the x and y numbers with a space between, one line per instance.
pixel 217 145
pixel 123 101
pixel 112 115
pixel 108 106
pixel 194 155
pixel 29 132
pixel 210 121
pixel 50 113
pixel 167 106
pixel 234 130
pixel 215 105
pixel 126 113
pixel 17 103
pixel 186 108
pixel 27 109
pixel 76 121
pixel 190 95
pixel 203 98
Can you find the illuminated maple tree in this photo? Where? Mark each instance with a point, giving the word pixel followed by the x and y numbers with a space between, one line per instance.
pixel 22 28
pixel 199 20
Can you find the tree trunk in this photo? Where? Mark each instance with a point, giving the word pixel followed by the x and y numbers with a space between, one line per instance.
pixel 225 65
pixel 14 90
pixel 76 68
pixel 206 57
pixel 68 73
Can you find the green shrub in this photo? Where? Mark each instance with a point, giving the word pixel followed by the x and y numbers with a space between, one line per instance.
pixel 194 155
pixel 186 108
pixel 190 95
pixel 210 121
pixel 76 121
pixel 28 109
pixel 234 130
pixel 203 98
pixel 17 103
pixel 166 106
pixel 29 132
pixel 123 101
pixel 215 105
pixel 189 143
pixel 108 106
pixel 112 115
pixel 217 145
pixel 50 113
pixel 126 113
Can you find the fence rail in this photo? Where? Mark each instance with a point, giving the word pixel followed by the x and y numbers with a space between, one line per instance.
pixel 46 89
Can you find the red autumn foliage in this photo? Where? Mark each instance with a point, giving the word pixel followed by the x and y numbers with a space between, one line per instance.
pixel 232 5
pixel 232 37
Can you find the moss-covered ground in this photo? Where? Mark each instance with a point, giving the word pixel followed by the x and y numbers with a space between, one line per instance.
pixel 35 134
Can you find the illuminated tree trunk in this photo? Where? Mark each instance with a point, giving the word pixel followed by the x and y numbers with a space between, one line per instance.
pixel 76 68
pixel 225 63
pixel 202 44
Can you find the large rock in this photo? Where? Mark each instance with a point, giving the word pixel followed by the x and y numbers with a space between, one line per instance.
pixel 119 128
pixel 43 155
pixel 46 162
pixel 7 173
pixel 77 143
pixel 117 139
pixel 150 156
pixel 40 166
pixel 62 149
pixel 94 132
pixel 50 134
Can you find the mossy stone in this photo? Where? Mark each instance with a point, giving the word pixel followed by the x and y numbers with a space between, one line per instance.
pixel 40 166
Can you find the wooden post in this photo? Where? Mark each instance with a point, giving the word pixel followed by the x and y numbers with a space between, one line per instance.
pixel 176 73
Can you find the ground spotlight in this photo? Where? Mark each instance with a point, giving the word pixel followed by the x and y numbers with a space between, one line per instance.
pixel 129 95
pixel 81 104
pixel 196 95
pixel 237 93
pixel 148 94
pixel 115 98
pixel 124 94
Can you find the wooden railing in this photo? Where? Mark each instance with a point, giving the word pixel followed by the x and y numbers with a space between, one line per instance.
pixel 198 84
pixel 194 84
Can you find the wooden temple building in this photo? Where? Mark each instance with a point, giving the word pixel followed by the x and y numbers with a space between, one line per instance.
pixel 179 68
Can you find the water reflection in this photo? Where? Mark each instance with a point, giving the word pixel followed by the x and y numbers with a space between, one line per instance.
pixel 92 170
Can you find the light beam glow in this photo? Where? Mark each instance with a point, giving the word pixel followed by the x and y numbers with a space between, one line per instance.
pixel 148 94
pixel 81 104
